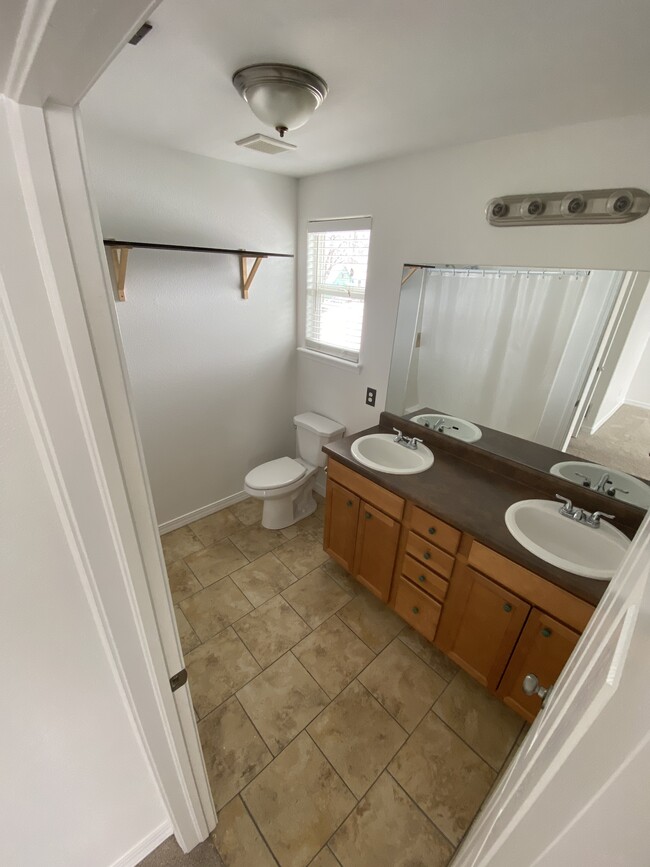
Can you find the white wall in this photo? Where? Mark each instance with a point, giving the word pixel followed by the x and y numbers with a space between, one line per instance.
pixel 213 376
pixel 639 391
pixel 76 788
pixel 430 208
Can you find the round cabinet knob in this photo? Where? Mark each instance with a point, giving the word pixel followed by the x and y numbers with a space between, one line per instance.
pixel 415 609
pixel 546 632
pixel 349 503
pixel 422 579
pixel 368 516
pixel 507 608
pixel 530 684
pixel 432 531
pixel 427 555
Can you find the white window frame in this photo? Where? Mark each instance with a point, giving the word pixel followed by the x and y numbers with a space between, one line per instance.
pixel 317 350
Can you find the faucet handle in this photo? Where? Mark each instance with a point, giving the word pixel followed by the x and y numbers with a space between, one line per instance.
pixel 568 505
pixel 611 492
pixel 594 518
pixel 399 433
pixel 415 441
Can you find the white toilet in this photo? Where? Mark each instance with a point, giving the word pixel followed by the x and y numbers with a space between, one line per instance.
pixel 286 485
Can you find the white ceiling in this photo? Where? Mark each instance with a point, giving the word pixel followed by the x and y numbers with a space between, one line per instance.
pixel 403 76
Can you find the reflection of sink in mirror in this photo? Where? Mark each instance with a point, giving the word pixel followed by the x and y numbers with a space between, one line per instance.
pixel 553 358
pixel 593 552
pixel 454 427
pixel 615 484
pixel 382 452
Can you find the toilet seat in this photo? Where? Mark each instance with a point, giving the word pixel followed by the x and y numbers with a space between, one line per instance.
pixel 275 474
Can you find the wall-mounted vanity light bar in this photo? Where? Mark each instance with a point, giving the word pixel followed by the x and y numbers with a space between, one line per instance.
pixel 562 209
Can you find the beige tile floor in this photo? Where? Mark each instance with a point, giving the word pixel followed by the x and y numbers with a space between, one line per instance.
pixel 333 734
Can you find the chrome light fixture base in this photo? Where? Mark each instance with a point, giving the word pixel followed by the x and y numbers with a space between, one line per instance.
pixel 563 209
pixel 280 95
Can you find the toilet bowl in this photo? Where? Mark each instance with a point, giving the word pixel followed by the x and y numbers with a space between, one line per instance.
pixel 285 485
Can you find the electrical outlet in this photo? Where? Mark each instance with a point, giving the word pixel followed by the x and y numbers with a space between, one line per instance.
pixel 371 396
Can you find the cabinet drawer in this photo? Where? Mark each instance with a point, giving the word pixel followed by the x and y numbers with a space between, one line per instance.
pixel 424 578
pixel 435 530
pixel 377 496
pixel 429 554
pixel 418 609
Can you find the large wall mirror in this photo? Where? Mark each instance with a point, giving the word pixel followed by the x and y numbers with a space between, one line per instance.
pixel 557 358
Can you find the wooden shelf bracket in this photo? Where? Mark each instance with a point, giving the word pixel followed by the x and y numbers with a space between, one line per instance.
pixel 246 277
pixel 119 256
pixel 411 271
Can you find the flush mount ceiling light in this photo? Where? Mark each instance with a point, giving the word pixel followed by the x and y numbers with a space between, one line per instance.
pixel 282 96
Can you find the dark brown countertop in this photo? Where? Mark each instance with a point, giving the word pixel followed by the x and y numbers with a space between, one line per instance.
pixel 474 500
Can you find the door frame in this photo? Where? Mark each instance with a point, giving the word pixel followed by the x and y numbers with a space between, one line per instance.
pixel 58 299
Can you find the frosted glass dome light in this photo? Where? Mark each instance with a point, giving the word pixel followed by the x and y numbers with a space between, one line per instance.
pixel 281 96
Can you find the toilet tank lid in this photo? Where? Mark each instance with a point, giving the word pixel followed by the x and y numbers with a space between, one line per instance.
pixel 318 424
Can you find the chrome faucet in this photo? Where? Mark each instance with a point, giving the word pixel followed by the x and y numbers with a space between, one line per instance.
pixel 407 442
pixel 590 519
pixel 602 483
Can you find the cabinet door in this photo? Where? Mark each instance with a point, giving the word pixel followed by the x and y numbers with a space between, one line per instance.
pixel 341 519
pixel 480 625
pixel 542 650
pixel 377 540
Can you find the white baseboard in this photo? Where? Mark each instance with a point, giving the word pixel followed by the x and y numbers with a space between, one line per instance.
pixel 203 512
pixel 639 403
pixel 596 427
pixel 145 846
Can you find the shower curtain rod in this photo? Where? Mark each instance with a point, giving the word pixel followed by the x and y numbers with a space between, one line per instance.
pixel 489 271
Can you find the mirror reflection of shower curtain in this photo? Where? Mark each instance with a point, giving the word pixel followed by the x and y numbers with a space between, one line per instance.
pixel 493 342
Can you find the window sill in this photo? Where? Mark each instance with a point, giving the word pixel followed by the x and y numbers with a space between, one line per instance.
pixel 330 360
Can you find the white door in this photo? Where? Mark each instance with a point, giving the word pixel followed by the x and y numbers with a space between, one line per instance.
pixel 65 142
pixel 577 792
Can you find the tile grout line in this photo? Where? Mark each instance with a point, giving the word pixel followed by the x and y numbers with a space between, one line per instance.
pixel 254 821
pixel 462 739
pixel 357 801
pixel 216 707
pixel 243 640
pixel 419 808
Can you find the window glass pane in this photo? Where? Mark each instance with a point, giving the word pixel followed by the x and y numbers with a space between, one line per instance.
pixel 337 261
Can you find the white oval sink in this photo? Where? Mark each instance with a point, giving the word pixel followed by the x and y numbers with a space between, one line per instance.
pixel 629 489
pixel 450 425
pixel 593 552
pixel 381 452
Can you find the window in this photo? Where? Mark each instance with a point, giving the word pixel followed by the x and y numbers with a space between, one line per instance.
pixel 337 260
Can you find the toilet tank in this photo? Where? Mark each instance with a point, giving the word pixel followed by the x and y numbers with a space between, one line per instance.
pixel 313 431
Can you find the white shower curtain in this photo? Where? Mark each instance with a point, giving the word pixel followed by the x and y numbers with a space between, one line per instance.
pixel 492 341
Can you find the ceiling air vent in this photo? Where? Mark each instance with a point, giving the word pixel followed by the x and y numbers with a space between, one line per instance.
pixel 265 144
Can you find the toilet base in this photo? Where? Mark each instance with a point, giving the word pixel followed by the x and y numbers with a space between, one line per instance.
pixel 281 512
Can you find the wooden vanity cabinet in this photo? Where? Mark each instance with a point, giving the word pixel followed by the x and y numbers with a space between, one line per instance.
pixel 497 620
pixel 362 528
pixel 480 625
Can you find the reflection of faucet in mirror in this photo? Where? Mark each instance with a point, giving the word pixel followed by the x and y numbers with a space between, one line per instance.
pixel 556 360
